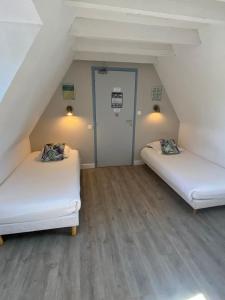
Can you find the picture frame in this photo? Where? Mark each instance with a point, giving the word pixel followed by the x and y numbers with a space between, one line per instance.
pixel 157 93
pixel 68 91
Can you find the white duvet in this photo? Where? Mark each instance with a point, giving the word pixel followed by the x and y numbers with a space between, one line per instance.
pixel 191 176
pixel 41 190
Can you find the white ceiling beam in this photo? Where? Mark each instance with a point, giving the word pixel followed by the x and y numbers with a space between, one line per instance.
pixel 122 31
pixel 97 14
pixel 112 57
pixel 121 47
pixel 200 11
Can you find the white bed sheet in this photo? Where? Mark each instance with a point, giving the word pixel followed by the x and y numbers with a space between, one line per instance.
pixel 41 190
pixel 191 176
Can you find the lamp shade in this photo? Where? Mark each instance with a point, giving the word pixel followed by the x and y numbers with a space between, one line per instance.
pixel 156 108
pixel 69 110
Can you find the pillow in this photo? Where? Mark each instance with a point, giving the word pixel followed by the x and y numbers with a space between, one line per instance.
pixel 53 152
pixel 180 149
pixel 156 145
pixel 169 147
pixel 66 151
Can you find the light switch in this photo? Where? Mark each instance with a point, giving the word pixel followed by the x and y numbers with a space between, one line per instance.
pixel 90 127
pixel 139 112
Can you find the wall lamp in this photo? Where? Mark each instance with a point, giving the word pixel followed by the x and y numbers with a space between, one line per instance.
pixel 69 110
pixel 156 108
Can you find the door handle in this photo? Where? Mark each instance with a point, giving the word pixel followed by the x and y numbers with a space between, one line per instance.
pixel 129 122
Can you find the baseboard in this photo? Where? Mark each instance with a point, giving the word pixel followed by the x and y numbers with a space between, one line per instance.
pixel 138 162
pixel 88 166
pixel 92 165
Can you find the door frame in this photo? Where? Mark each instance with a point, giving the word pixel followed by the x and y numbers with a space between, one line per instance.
pixel 120 69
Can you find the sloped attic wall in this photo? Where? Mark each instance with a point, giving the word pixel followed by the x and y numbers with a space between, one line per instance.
pixel 39 75
pixel 15 41
pixel 19 25
pixel 195 82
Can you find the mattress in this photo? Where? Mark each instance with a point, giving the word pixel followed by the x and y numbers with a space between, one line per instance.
pixel 192 177
pixel 38 190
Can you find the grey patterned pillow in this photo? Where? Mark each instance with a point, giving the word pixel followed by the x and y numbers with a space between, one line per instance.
pixel 169 147
pixel 53 152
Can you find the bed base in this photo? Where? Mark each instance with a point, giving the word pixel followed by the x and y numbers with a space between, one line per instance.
pixel 73 233
pixel 71 221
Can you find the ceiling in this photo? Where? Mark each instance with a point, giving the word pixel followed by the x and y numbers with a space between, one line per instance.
pixel 139 31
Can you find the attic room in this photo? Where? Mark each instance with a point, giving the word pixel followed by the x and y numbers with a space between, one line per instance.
pixel 112 156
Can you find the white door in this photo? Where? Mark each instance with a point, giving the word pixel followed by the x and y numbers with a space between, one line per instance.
pixel 114 124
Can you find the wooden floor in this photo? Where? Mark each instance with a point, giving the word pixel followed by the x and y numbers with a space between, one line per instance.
pixel 137 240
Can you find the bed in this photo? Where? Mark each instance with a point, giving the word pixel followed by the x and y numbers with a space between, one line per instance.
pixel 198 181
pixel 41 195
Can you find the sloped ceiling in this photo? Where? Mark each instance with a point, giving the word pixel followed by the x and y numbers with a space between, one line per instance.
pixel 36 80
pixel 15 41
pixel 19 25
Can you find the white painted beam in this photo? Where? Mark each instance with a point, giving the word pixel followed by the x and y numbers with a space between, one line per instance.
pixel 98 14
pixel 200 11
pixel 122 31
pixel 122 47
pixel 112 57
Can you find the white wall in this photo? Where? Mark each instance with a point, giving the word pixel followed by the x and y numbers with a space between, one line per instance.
pixel 13 158
pixel 195 82
pixel 15 41
pixel 23 11
pixel 42 70
pixel 53 126
pixel 19 25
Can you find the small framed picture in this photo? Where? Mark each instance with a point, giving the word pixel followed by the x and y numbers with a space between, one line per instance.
pixel 68 92
pixel 157 93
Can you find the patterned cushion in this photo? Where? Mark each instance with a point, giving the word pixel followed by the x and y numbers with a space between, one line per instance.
pixel 169 147
pixel 53 152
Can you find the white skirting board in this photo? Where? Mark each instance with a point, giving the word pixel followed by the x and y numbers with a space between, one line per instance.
pixel 88 166
pixel 92 165
pixel 138 162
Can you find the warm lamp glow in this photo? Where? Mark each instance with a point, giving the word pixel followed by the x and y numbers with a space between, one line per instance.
pixel 156 117
pixel 67 125
pixel 198 297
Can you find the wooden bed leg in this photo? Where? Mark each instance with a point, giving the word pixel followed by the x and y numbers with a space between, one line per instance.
pixel 195 211
pixel 74 231
pixel 1 241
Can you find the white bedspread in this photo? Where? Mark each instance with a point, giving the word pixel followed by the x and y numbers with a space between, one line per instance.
pixel 191 176
pixel 41 190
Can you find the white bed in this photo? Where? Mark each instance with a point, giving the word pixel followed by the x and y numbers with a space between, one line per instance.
pixel 199 182
pixel 41 195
